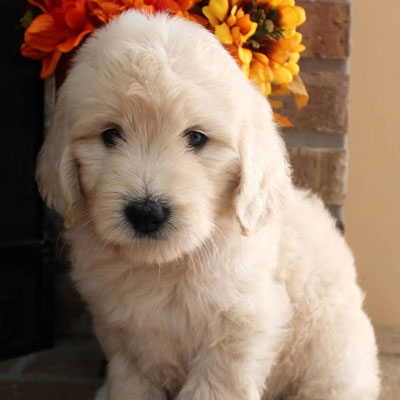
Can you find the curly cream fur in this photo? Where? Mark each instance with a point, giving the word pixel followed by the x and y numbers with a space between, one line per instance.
pixel 251 292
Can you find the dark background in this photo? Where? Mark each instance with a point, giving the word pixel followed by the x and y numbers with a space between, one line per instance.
pixel 25 281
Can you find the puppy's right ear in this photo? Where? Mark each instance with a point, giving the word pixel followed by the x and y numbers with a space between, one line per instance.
pixel 264 172
pixel 56 171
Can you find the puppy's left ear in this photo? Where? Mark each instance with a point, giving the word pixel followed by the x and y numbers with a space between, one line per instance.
pixel 56 171
pixel 264 171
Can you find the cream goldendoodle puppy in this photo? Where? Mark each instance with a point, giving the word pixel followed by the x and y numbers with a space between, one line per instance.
pixel 209 276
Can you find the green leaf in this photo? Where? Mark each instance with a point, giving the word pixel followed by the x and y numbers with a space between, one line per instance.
pixel 26 19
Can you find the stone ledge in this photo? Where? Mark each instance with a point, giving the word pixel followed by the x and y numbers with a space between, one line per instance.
pixel 17 390
pixel 388 340
pixel 390 378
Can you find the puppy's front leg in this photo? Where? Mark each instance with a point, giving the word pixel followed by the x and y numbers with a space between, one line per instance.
pixel 125 382
pixel 233 365
pixel 222 375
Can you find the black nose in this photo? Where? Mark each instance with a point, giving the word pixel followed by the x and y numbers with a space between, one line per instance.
pixel 147 216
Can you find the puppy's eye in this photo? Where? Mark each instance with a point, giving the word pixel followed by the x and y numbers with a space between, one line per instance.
pixel 111 136
pixel 196 140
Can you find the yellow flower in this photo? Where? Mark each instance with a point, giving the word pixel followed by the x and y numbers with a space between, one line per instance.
pixel 282 3
pixel 291 17
pixel 261 73
pixel 233 28
pixel 284 54
pixel 263 38
pixel 216 11
pixel 282 76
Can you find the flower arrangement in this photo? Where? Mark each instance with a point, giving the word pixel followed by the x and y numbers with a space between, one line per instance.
pixel 260 34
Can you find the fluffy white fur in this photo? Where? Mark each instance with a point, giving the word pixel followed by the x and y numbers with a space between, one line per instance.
pixel 251 292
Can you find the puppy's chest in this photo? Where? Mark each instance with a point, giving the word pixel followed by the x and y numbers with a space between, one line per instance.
pixel 166 325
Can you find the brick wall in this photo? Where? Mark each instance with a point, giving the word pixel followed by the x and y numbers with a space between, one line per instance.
pixel 317 142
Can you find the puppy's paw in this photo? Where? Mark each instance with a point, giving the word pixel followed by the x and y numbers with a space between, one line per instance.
pixel 207 391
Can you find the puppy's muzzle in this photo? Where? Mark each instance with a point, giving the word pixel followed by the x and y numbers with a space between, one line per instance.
pixel 147 216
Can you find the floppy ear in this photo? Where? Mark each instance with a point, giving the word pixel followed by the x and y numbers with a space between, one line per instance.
pixel 56 171
pixel 264 171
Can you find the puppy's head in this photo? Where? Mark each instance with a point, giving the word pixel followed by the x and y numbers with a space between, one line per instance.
pixel 157 135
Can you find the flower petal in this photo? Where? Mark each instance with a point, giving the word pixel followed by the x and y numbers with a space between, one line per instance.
pixel 251 32
pixel 240 13
pixel 278 54
pixel 231 20
pixel 288 17
pixel 74 41
pixel 46 31
pixel 28 51
pixel 295 57
pixel 49 64
pixel 282 120
pixel 244 23
pixel 44 5
pixel 293 68
pixel 275 3
pixel 282 76
pixel 246 69
pixel 210 16
pixel 301 15
pixel 219 8
pixel 245 55
pixel 300 48
pixel 268 89
pixel 76 15
pixel 287 3
pixel 261 57
pixel 224 34
pixel 237 36
pixel 301 96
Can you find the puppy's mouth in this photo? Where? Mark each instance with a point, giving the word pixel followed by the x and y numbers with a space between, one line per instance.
pixel 162 234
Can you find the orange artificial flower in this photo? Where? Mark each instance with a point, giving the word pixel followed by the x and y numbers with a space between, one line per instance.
pixel 65 23
pixel 61 27
pixel 45 5
pixel 173 6
pixel 180 8
pixel 106 10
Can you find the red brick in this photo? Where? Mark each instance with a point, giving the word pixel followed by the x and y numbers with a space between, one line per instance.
pixel 327 109
pixel 327 29
pixel 321 170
